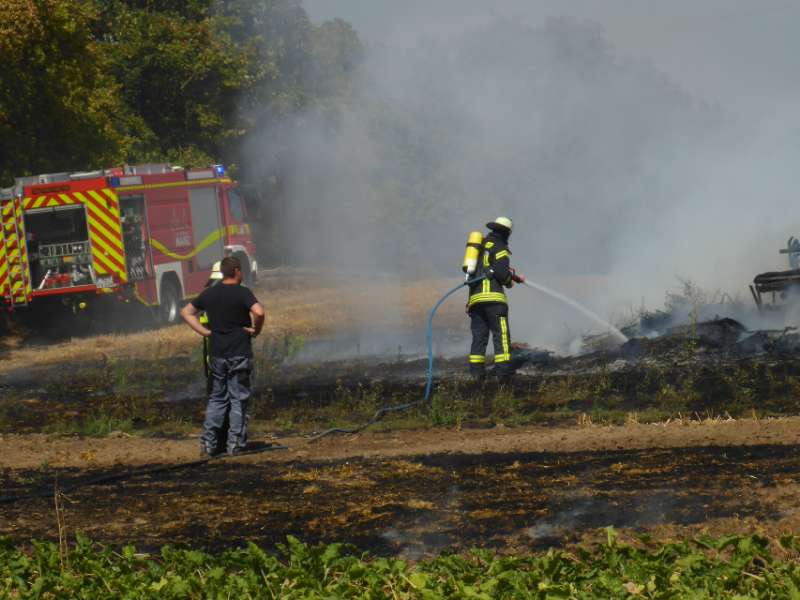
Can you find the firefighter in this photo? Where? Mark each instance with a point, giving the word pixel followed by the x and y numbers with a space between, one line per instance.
pixel 222 438
pixel 488 305
pixel 216 274
pixel 215 277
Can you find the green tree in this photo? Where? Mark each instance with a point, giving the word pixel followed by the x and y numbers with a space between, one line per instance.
pixel 336 54
pixel 91 83
pixel 59 108
pixel 181 73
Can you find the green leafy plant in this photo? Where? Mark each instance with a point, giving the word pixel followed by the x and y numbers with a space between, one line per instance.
pixel 727 567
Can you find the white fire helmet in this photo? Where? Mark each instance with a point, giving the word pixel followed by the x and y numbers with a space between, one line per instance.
pixel 216 273
pixel 503 222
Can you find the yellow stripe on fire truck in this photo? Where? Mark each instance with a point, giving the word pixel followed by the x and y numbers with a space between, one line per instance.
pixel 12 250
pixel 48 201
pixel 5 291
pixel 23 249
pixel 105 231
pixel 207 241
pixel 17 285
pixel 3 268
pixel 10 242
pixel 171 184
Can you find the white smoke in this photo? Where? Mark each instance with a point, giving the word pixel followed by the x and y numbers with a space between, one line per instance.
pixel 618 179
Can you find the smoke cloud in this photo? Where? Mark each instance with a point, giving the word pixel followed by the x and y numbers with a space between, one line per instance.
pixel 618 179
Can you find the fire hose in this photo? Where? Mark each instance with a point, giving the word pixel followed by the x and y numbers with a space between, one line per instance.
pixel 382 412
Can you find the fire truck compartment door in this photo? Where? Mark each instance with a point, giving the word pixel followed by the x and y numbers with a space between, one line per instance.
pixel 206 226
pixel 58 246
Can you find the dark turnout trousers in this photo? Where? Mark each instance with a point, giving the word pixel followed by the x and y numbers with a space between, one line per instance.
pixel 489 317
pixel 229 397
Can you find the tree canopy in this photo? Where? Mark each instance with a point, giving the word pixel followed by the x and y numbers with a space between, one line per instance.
pixel 92 83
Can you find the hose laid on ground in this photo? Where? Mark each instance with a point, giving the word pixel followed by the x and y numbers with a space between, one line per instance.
pixel 382 412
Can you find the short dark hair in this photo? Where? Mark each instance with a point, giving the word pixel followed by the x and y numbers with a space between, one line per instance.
pixel 229 265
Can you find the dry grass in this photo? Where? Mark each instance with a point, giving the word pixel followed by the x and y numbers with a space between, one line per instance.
pixel 311 310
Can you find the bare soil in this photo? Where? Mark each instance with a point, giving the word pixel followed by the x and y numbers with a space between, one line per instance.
pixel 418 492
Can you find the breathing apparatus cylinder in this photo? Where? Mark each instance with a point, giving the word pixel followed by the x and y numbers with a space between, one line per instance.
pixel 472 253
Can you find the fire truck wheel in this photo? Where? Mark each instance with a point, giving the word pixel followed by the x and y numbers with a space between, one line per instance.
pixel 170 302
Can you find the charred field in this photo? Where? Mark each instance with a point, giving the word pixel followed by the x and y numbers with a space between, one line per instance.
pixel 686 433
pixel 716 372
pixel 421 505
pixel 690 431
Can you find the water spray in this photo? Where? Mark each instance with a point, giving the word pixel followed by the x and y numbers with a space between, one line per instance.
pixel 579 307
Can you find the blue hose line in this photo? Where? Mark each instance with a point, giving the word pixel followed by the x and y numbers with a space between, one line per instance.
pixel 429 334
pixel 429 383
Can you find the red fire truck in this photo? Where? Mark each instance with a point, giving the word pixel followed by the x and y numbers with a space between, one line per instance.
pixel 149 233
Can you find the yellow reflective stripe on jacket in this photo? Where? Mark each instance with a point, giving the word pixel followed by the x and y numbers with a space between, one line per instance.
pixel 487 297
pixel 502 254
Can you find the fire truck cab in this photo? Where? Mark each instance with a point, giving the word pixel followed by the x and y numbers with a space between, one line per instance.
pixel 147 233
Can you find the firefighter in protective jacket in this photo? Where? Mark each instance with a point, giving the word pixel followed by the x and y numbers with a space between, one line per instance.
pixel 488 305
pixel 214 278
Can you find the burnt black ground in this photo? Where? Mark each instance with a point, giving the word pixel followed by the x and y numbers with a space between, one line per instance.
pixel 671 377
pixel 416 505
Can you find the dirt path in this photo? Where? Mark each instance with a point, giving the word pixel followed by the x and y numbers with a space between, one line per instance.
pixel 418 492
pixel 38 451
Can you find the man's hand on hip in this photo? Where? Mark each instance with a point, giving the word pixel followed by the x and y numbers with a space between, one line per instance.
pixel 189 314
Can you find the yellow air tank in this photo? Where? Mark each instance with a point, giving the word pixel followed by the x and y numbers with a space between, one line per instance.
pixel 473 252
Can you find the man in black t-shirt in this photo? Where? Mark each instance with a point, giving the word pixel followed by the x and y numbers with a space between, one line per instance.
pixel 235 317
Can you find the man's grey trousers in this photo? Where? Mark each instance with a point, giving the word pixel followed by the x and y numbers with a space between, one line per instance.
pixel 230 395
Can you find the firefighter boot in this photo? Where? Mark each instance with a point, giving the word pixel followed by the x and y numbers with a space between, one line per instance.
pixel 477 372
pixel 504 372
